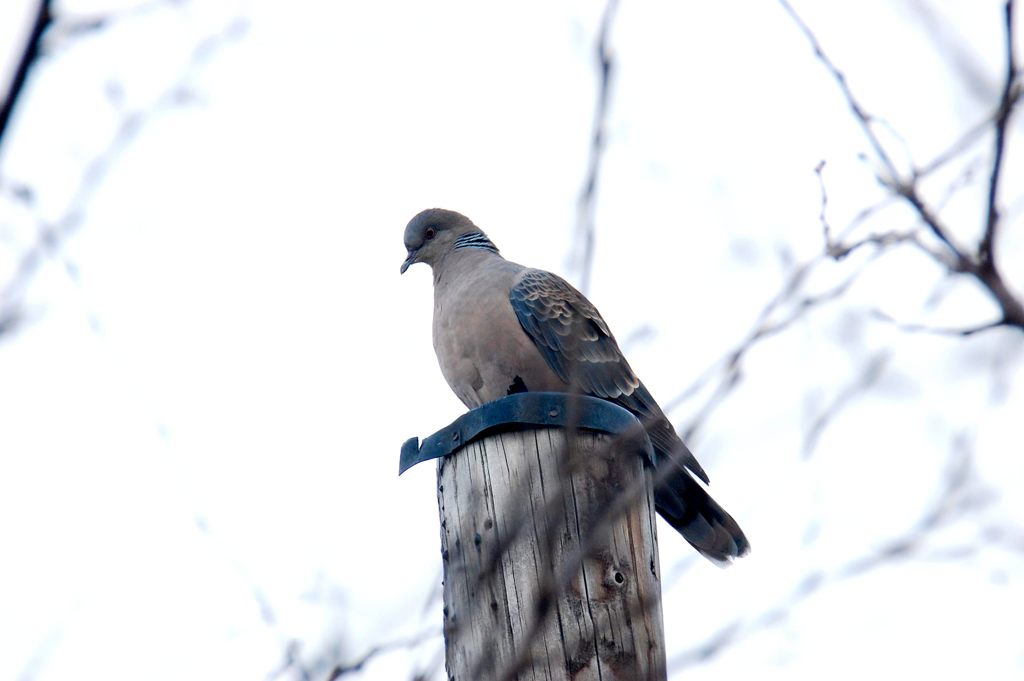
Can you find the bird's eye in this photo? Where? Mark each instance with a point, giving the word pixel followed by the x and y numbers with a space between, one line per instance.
pixel 429 233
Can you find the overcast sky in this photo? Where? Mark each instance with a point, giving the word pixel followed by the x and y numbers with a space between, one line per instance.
pixel 200 419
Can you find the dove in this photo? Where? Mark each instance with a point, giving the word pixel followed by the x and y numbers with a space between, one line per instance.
pixel 501 328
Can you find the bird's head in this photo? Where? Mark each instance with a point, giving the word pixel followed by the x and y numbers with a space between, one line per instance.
pixel 432 233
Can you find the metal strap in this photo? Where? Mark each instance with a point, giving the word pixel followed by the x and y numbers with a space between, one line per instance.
pixel 525 409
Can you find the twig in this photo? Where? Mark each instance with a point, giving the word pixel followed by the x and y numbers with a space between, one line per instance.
pixel 936 330
pixel 868 377
pixel 855 106
pixel 837 250
pixel 68 24
pixel 408 642
pixel 1010 95
pixel 822 213
pixel 959 146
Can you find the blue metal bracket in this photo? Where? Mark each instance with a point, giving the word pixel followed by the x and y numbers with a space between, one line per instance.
pixel 518 410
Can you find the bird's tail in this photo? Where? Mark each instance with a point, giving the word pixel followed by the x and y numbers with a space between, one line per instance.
pixel 694 514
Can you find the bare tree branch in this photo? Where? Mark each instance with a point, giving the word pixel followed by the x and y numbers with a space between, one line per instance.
pixel 891 178
pixel 867 377
pixel 587 204
pixel 786 308
pixel 28 58
pixel 962 495
pixel 954 49
pixel 68 24
pixel 980 264
pixel 376 651
pixel 859 112
pixel 936 330
pixel 51 235
pixel 836 249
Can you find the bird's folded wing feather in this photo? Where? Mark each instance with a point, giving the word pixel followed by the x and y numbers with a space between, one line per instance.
pixel 574 339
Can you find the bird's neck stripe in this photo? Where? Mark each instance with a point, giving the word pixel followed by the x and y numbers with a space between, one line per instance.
pixel 475 240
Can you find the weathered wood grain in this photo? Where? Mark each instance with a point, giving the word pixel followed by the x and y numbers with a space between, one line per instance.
pixel 550 560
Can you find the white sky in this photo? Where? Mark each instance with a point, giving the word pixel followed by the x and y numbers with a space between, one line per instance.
pixel 214 404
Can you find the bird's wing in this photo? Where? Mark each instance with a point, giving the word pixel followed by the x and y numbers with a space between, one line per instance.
pixel 574 339
pixel 571 335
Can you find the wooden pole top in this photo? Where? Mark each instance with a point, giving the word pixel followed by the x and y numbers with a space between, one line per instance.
pixel 548 541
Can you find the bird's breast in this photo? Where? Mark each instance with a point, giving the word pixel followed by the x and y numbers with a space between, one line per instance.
pixel 481 347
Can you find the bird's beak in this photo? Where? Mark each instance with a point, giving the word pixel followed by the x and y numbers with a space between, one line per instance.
pixel 410 259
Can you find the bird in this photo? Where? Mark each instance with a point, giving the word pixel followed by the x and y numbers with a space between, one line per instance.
pixel 501 328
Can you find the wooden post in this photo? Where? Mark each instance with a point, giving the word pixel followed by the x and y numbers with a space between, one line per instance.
pixel 541 581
